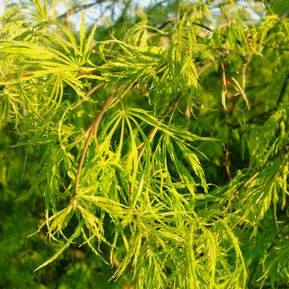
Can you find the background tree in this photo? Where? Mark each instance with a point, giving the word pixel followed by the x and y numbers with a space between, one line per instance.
pixel 148 144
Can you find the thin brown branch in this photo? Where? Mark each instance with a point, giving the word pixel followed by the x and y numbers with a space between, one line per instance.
pixel 221 7
pixel 283 89
pixel 93 129
pixel 224 85
pixel 77 8
pixel 172 20
pixel 123 14
pixel 171 107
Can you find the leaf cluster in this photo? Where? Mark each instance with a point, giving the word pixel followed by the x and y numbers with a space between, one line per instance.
pixel 162 150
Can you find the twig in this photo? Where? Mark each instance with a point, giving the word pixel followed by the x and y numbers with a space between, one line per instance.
pixel 228 21
pixel 271 110
pixel 93 129
pixel 224 86
pixel 283 89
pixel 284 150
pixel 77 8
pixel 123 14
pixel 172 20
pixel 227 158
pixel 268 250
pixel 172 106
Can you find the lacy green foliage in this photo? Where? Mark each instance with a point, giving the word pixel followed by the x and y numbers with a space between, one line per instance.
pixel 162 150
